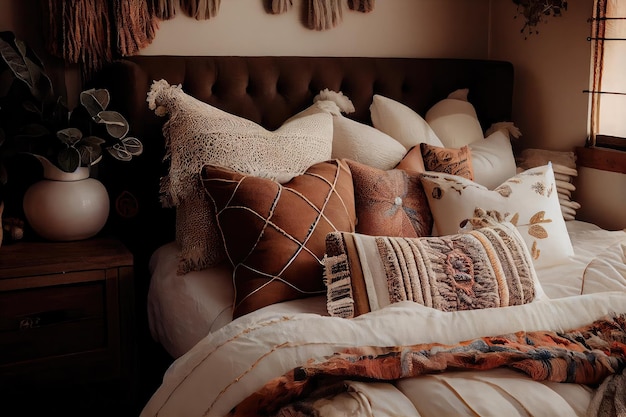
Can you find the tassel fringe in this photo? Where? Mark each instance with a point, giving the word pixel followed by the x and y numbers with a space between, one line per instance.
pixel 323 14
pixel 200 9
pixel 363 6
pixel 278 6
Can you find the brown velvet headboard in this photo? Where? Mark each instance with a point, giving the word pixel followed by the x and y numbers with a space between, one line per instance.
pixel 268 90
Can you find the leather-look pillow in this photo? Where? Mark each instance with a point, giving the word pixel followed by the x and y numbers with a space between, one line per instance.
pixel 274 234
pixel 390 203
pixel 449 160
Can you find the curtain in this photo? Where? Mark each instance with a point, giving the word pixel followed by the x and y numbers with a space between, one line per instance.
pixel 608 83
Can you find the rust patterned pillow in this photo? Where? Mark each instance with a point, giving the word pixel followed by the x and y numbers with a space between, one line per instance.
pixel 274 234
pixel 449 160
pixel 389 203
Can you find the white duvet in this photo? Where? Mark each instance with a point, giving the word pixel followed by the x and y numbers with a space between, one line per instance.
pixel 232 362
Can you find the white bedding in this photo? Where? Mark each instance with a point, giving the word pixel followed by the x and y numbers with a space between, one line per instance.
pixel 184 309
pixel 189 315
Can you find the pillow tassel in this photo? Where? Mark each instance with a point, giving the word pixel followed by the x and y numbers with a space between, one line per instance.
pixel 323 14
pixel 344 103
pixel 363 6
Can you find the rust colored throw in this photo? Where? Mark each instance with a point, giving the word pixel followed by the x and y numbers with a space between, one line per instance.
pixel 587 355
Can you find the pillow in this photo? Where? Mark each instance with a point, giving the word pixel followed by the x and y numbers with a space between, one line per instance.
pixel 485 268
pixel 197 134
pixel 454 120
pixel 530 198
pixel 357 141
pixel 449 160
pixel 274 234
pixel 492 159
pixel 401 123
pixel 389 203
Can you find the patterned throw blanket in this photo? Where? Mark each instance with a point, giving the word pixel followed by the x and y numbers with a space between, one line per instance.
pixel 594 355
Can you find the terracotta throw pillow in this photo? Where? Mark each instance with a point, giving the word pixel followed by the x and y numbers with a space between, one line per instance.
pixel 274 234
pixel 449 160
pixel 389 203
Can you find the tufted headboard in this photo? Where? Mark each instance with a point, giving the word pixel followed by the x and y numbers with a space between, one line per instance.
pixel 268 90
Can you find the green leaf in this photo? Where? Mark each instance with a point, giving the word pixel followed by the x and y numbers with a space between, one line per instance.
pixel 94 100
pixel 70 136
pixel 116 124
pixel 69 159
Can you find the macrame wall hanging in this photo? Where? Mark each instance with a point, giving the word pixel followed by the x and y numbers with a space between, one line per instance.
pixel 320 14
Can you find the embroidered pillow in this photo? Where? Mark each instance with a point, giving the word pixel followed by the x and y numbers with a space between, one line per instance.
pixel 485 268
pixel 448 160
pixel 454 120
pixel 401 122
pixel 389 203
pixel 529 198
pixel 274 234
pixel 197 134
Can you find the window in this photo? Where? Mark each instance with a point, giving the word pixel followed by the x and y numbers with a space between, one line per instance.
pixel 607 127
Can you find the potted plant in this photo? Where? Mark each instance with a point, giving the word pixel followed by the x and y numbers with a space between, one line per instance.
pixel 34 120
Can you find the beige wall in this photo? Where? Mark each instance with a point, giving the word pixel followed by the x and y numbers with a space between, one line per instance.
pixel 403 28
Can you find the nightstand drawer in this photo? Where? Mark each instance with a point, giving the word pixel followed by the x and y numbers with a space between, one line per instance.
pixel 54 320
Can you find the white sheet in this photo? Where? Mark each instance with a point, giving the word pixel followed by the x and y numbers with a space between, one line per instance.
pixel 183 309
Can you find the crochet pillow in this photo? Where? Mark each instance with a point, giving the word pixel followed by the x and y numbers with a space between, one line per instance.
pixel 454 120
pixel 389 203
pixel 274 234
pixel 485 268
pixel 401 123
pixel 197 134
pixel 449 160
pixel 530 200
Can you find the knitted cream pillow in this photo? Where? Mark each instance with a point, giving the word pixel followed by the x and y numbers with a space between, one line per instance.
pixel 198 134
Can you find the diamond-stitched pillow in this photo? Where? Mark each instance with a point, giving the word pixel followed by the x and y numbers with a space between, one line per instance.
pixel 389 203
pixel 274 234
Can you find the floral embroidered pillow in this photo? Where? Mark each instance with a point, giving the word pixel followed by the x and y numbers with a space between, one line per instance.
pixel 449 160
pixel 529 200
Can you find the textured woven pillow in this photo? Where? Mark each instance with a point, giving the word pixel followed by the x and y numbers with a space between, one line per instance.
pixel 529 198
pixel 274 234
pixel 454 120
pixel 449 160
pixel 484 268
pixel 198 134
pixel 389 203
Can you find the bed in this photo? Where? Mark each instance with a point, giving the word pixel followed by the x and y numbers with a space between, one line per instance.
pixel 296 280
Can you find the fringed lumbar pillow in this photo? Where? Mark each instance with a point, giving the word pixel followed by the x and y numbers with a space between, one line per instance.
pixel 487 267
pixel 197 134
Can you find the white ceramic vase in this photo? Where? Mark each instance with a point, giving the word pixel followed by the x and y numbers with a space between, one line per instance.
pixel 66 206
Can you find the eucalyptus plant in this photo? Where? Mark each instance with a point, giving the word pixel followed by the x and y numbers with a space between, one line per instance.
pixel 34 119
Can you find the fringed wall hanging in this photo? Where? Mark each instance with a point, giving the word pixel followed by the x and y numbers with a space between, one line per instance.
pixel 363 6
pixel 162 9
pixel 93 32
pixel 136 28
pixel 200 9
pixel 278 6
pixel 323 14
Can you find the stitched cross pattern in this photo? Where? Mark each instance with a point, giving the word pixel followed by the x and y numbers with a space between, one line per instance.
pixel 274 234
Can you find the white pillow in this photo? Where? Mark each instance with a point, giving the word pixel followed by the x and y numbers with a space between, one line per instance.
pixel 492 159
pixel 365 144
pixel 401 123
pixel 529 200
pixel 454 120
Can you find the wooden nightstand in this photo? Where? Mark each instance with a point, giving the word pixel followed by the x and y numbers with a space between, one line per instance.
pixel 66 313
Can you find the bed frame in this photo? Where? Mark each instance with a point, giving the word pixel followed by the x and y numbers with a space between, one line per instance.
pixel 268 90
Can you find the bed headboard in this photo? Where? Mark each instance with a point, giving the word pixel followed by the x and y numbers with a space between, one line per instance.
pixel 268 90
